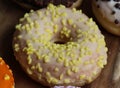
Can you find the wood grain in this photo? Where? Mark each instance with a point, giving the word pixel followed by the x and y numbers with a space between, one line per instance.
pixel 9 16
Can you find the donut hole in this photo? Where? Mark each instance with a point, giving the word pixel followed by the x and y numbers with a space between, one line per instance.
pixel 59 42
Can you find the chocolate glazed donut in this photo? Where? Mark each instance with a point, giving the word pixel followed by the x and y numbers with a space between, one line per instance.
pixel 43 3
pixel 35 4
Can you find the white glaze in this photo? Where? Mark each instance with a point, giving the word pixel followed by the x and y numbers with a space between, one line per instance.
pixel 90 47
pixel 107 7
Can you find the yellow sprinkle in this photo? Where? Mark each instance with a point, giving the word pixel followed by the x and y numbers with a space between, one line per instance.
pixel 69 72
pixel 59 60
pixel 43 18
pixel 33 67
pixel 80 19
pixel 94 73
pixel 38 55
pixel 6 77
pixel 31 10
pixel 46 59
pixel 90 20
pixel 56 69
pixel 23 27
pixel 79 60
pixel 64 22
pixel 70 21
pixel 93 39
pixel 75 69
pixel 29 71
pixel 66 63
pixel 18 26
pixel 100 63
pixel 28 19
pixel 64 14
pixel 61 6
pixel 39 13
pixel 51 6
pixel 86 62
pixel 74 26
pixel 29 59
pixel 92 61
pixel 106 49
pixel 61 76
pixel 27 27
pixel 74 9
pixel 16 47
pixel 21 19
pixel 55 28
pixel 48 74
pixel 72 55
pixel 54 81
pixel 36 24
pixel 80 11
pixel 49 31
pixel 19 36
pixel 82 77
pixel 89 79
pixel 49 79
pixel 30 50
pixel 67 81
pixel 54 18
pixel 38 67
pixel 26 15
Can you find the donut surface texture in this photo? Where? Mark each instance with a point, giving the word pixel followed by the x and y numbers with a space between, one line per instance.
pixel 6 76
pixel 59 46
pixel 107 13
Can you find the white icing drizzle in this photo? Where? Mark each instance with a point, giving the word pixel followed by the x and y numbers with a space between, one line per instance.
pixel 109 10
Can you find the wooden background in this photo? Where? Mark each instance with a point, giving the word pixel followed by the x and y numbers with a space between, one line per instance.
pixel 9 16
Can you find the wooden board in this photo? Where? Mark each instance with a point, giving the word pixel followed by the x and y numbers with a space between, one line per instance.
pixel 9 16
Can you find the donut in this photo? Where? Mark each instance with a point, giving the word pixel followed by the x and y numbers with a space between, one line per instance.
pixel 59 46
pixel 6 76
pixel 65 87
pixel 107 13
pixel 34 4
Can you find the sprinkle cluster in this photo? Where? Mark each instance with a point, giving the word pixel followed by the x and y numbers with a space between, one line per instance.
pixel 6 76
pixel 61 45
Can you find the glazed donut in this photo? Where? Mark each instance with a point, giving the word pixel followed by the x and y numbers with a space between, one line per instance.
pixel 59 46
pixel 107 13
pixel 34 4
pixel 6 76
pixel 65 87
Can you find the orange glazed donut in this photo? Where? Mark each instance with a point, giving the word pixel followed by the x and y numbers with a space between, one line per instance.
pixel 59 46
pixel 107 13
pixel 6 76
